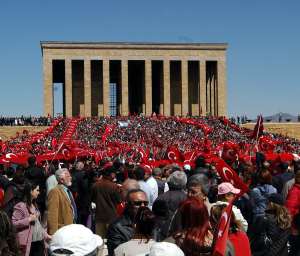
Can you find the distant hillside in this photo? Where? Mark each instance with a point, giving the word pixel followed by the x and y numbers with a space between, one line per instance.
pixel 285 117
pixel 289 129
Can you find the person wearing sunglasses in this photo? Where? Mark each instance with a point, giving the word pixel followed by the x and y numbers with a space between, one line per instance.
pixel 122 229
pixel 142 240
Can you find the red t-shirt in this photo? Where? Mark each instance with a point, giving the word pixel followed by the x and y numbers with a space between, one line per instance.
pixel 1 197
pixel 240 243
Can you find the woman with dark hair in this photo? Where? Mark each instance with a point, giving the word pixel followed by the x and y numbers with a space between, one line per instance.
pixel 8 242
pixel 237 238
pixel 259 194
pixel 196 236
pixel 26 219
pixel 142 240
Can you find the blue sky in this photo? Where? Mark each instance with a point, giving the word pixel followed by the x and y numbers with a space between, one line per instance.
pixel 263 36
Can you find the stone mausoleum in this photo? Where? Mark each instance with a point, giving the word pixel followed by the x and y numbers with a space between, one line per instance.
pixel 101 79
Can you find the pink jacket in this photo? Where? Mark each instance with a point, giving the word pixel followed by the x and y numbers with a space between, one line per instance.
pixel 20 220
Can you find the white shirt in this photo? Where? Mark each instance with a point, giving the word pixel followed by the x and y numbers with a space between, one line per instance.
pixel 134 247
pixel 51 183
pixel 237 214
pixel 147 189
pixel 154 188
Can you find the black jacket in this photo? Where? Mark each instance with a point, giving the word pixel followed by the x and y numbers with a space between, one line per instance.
pixel 120 231
pixel 173 199
pixel 278 237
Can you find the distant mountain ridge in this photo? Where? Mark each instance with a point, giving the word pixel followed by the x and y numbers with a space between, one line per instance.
pixel 285 117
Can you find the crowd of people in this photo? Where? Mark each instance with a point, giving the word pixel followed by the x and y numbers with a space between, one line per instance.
pixel 25 121
pixel 120 203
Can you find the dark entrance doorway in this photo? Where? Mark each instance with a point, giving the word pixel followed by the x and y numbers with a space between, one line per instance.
pixel 157 86
pixel 58 72
pixel 136 86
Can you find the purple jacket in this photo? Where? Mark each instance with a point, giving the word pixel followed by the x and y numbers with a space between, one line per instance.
pixel 20 220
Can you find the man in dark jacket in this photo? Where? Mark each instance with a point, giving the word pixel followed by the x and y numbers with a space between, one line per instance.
pixel 122 229
pixel 81 189
pixel 105 193
pixel 37 176
pixel 176 182
pixel 172 198
pixel 157 175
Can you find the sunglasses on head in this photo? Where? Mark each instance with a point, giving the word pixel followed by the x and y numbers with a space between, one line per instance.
pixel 140 203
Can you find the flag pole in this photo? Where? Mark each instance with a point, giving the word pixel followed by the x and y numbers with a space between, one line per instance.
pixel 59 148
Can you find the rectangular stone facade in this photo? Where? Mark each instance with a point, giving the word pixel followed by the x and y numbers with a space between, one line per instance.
pixel 176 102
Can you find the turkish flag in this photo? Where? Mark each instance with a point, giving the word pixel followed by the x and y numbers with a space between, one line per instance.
pixel 16 158
pixel 229 175
pixel 174 154
pixel 259 128
pixel 221 236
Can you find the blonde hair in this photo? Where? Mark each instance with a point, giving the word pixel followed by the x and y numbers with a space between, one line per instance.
pixel 283 218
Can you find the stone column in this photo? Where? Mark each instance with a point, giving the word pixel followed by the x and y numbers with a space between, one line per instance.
pixel 184 88
pixel 208 103
pixel 202 89
pixel 212 94
pixel 87 88
pixel 68 87
pixel 148 87
pixel 221 87
pixel 216 96
pixel 125 96
pixel 48 86
pixel 106 100
pixel 167 109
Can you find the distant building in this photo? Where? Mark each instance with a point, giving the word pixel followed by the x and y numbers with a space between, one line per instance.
pixel 101 79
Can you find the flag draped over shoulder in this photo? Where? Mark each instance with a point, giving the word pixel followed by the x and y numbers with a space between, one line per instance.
pixel 221 236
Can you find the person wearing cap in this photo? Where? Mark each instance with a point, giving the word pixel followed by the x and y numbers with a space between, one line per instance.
pixel 75 239
pixel 226 193
pixel 62 209
pixel 271 232
pixel 106 196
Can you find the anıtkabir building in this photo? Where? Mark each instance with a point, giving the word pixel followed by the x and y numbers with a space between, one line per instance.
pixel 102 79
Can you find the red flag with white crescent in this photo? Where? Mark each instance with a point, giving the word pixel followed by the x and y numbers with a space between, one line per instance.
pixel 221 236
pixel 229 175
